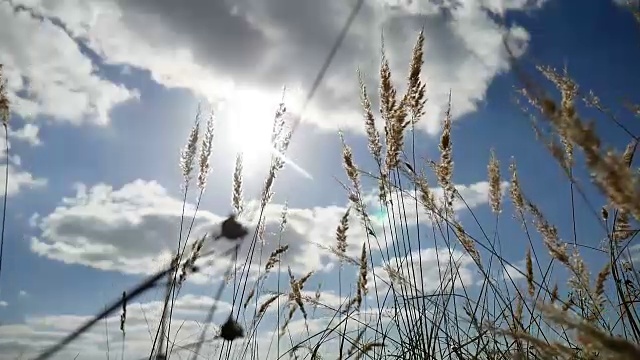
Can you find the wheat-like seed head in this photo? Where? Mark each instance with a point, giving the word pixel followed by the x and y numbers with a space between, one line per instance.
pixel 236 198
pixel 274 257
pixel 341 234
pixel 466 242
pixel 205 153
pixel 529 265
pixel 622 227
pixel 627 156
pixel 265 305
pixel 188 154
pixel 252 292
pixel 445 167
pixel 557 249
pixel 361 289
pixel 598 291
pixel 373 136
pixel 415 97
pixel 495 194
pixel 610 171
pixel 515 192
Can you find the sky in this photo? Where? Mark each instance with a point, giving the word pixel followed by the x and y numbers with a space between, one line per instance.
pixel 105 92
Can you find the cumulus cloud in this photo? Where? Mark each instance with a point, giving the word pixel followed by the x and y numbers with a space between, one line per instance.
pixel 19 179
pixel 427 270
pixel 218 48
pixel 48 73
pixel 37 332
pixel 129 228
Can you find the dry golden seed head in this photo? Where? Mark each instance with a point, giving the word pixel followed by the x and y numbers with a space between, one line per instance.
pixel 252 292
pixel 445 167
pixel 206 148
pixel 495 194
pixel 189 152
pixel 529 265
pixel 373 135
pixel 415 96
pixel 627 156
pixel 600 282
pixel 622 227
pixel 236 198
pixel 341 233
pixel 349 165
pixel 274 257
pixel 515 192
pixel 265 305
pixel 362 280
pixel 466 242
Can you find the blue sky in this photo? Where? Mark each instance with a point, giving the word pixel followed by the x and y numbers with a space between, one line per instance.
pixel 112 88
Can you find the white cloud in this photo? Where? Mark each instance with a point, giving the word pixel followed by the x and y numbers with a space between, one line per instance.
pixel 28 133
pixel 50 75
pixel 129 228
pixel 438 270
pixel 38 332
pixel 3 303
pixel 19 180
pixel 219 48
pixel 23 293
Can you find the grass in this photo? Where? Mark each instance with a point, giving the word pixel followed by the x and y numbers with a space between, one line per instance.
pixel 384 309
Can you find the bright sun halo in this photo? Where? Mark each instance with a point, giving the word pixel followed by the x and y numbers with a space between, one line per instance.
pixel 251 122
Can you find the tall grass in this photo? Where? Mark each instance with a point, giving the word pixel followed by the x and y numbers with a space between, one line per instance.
pixel 386 309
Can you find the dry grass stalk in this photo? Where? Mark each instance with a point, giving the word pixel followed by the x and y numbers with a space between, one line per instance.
pixel 250 296
pixel 341 234
pixel 274 258
pixel 415 98
pixel 622 227
pixel 355 342
pixel 445 167
pixel 366 348
pixel 593 338
pixel 362 278
pixel 557 249
pixel 281 138
pixel 627 156
pixel 529 264
pixel 284 217
pixel 265 305
pixel 515 191
pixel 190 264
pixel 610 172
pixel 206 148
pixel 397 278
pixel 236 198
pixel 466 242
pixel 373 136
pixel 295 294
pixel 495 194
pixel 598 290
pixel 188 154
pixel 4 99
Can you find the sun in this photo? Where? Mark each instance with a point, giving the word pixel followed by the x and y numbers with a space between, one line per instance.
pixel 250 119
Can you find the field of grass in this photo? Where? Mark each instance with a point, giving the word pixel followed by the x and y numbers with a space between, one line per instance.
pixel 554 306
